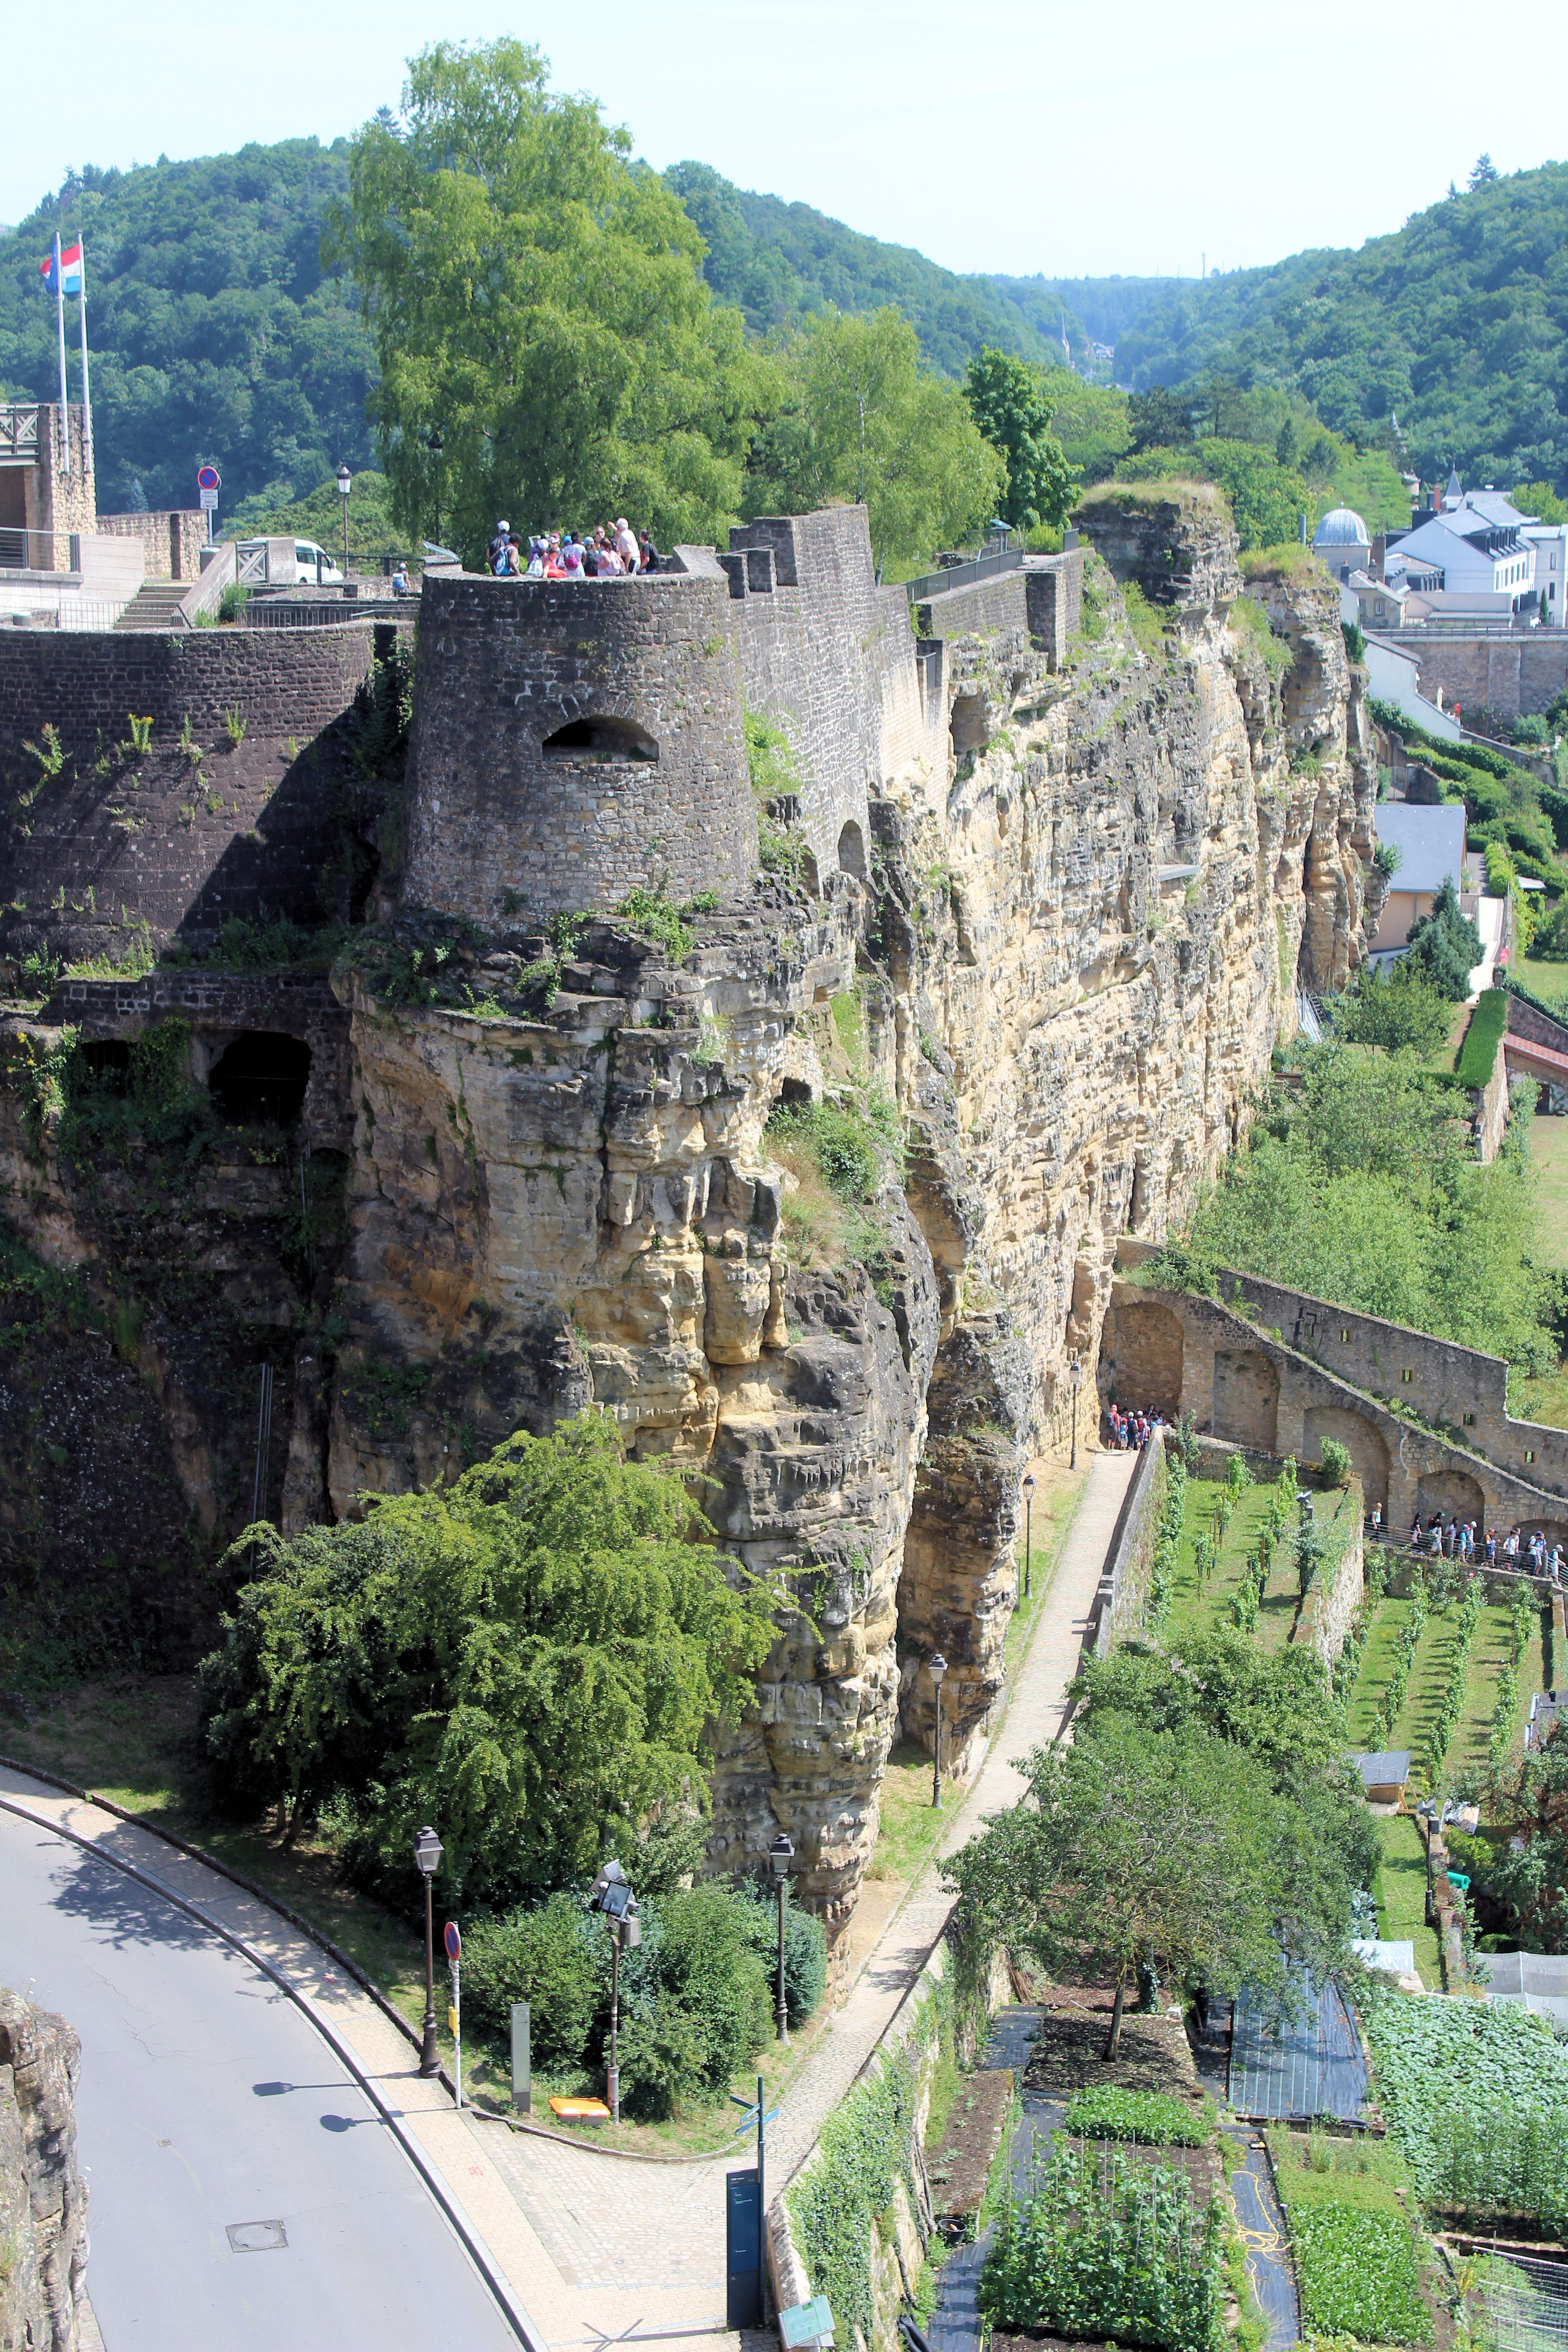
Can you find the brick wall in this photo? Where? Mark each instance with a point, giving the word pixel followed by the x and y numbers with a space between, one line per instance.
pixel 498 823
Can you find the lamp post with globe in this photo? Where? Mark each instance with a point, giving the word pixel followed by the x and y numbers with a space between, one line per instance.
pixel 781 1853
pixel 427 1856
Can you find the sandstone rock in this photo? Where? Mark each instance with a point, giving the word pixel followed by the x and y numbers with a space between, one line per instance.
pixel 43 2201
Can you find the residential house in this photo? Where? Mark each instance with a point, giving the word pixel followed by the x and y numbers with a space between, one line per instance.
pixel 1431 846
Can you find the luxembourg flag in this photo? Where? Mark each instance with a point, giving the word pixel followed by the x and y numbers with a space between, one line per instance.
pixel 62 270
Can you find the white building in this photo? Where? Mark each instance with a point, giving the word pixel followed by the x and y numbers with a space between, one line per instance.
pixel 1484 554
pixel 1342 542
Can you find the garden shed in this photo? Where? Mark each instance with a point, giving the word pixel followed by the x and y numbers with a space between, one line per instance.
pixel 1384 1773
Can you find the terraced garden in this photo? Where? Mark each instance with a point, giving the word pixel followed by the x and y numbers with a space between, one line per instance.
pixel 1418 1716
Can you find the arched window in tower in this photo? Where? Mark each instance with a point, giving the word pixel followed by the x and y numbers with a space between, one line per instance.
pixel 600 739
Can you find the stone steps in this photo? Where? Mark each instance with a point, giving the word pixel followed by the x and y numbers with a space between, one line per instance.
pixel 156 605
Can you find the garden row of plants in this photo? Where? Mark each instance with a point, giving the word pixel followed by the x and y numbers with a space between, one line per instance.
pixel 1247 1599
pixel 1355 2235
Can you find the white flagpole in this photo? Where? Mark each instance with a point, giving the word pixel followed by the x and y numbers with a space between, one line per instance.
pixel 61 310
pixel 85 393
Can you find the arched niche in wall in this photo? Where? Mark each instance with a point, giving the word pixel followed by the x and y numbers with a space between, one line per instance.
pixel 600 738
pixel 852 851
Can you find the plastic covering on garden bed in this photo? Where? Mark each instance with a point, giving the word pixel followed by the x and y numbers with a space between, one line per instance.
pixel 1312 2065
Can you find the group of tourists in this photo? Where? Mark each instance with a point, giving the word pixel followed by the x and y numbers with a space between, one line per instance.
pixel 1452 1538
pixel 612 551
pixel 1131 1431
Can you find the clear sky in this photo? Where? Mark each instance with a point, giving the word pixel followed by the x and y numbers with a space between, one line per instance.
pixel 1015 135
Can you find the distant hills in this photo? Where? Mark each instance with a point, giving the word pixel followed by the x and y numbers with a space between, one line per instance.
pixel 216 335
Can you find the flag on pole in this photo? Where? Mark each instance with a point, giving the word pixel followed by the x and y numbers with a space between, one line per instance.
pixel 62 270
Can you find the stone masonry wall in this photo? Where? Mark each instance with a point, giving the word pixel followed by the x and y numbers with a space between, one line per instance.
pixel 496 825
pixel 172 541
pixel 1517 674
pixel 166 839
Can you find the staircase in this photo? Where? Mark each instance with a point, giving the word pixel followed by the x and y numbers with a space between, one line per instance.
pixel 156 605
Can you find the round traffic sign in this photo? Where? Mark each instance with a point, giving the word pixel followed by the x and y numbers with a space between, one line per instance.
pixel 208 478
pixel 454 1942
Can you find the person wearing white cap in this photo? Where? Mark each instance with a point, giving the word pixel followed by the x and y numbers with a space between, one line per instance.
pixel 497 545
pixel 626 544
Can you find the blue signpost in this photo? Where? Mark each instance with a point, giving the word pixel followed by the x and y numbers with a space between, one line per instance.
pixel 745 2224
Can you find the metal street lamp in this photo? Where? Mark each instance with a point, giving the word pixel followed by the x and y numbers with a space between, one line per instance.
pixel 938 1668
pixel 345 483
pixel 1028 1526
pixel 427 1854
pixel 1076 1374
pixel 613 1896
pixel 781 1853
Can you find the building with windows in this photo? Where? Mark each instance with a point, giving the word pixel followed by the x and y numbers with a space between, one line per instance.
pixel 1492 561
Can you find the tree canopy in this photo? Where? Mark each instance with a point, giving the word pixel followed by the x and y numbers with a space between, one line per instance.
pixel 548 347
pixel 863 419
pixel 1165 1850
pixel 1009 403
pixel 526 1658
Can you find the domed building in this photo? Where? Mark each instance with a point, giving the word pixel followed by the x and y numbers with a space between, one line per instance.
pixel 1342 541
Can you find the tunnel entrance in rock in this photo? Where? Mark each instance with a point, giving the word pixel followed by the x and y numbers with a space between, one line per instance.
pixel 852 851
pixel 260 1080
pixel 600 738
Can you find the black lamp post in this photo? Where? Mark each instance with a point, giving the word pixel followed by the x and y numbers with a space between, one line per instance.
pixel 1028 1526
pixel 781 1853
pixel 345 483
pixel 614 1897
pixel 1076 1375
pixel 938 1668
pixel 427 1854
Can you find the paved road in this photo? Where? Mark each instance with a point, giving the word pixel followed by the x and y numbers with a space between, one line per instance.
pixel 208 2101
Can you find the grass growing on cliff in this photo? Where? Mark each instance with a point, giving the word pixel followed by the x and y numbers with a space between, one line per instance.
pixel 841 1158
pixel 1249 618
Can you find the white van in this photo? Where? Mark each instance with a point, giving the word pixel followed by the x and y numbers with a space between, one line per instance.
pixel 312 564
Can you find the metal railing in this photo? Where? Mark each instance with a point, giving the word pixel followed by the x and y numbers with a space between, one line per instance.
pixel 77 613
pixel 316 613
pixel 962 575
pixel 34 551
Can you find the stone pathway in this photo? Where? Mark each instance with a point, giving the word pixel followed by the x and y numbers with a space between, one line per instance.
pixel 598 2245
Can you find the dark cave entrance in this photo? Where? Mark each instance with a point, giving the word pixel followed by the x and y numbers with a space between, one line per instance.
pixel 260 1079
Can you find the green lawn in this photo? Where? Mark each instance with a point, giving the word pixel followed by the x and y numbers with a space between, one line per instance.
pixel 1399 1890
pixel 1544 978
pixel 1365 1724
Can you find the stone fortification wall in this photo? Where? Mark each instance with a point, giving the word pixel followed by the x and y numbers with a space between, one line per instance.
pixel 1517 674
pixel 999 602
pixel 1458 1387
pixel 120 838
pixel 499 824
pixel 1529 1020
pixel 825 649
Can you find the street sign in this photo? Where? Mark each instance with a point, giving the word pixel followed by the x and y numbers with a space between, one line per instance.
pixel 209 501
pixel 807 2323
pixel 208 478
pixel 454 1942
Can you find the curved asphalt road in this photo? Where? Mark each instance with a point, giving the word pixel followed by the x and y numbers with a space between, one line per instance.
pixel 208 2103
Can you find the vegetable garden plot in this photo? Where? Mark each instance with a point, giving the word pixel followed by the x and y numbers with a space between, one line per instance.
pixel 1477 2096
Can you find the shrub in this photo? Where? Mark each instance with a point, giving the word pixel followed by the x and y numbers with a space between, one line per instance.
pixel 1477 1054
pixel 1394 1008
pixel 1336 1461
pixel 697 2004
pixel 1359 2275
pixel 1146 2116
pixel 1388 858
pixel 554 1957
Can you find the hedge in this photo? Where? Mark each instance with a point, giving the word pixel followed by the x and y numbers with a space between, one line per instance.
pixel 1477 1053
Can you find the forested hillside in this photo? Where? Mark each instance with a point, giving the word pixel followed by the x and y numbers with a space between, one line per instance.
pixel 779 262
pixel 212 332
pixel 216 334
pixel 1455 324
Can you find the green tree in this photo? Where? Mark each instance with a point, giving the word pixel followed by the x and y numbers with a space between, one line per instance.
pixel 540 305
pixel 1483 171
pixel 1394 1008
pixel 1139 1849
pixel 1445 944
pixel 1160 419
pixel 865 421
pixel 1531 1877
pixel 533 1658
pixel 1009 404
pixel 1541 499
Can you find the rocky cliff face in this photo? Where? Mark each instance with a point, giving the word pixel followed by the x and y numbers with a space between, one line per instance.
pixel 1077 946
pixel 43 2203
pixel 1077 943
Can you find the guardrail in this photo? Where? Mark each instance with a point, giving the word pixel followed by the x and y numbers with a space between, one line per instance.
pixel 318 612
pixel 67 612
pixel 34 551
pixel 962 575
pixel 19 431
